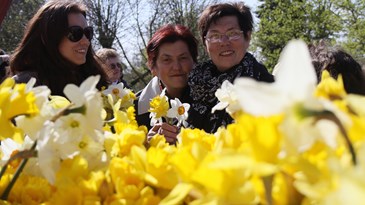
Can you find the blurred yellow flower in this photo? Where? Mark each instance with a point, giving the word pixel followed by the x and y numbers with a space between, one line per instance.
pixel 330 88
pixel 14 101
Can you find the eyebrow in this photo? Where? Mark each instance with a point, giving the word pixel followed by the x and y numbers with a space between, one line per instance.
pixel 229 29
pixel 167 55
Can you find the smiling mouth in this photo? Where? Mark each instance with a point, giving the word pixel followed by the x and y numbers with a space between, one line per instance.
pixel 226 53
pixel 177 75
pixel 82 51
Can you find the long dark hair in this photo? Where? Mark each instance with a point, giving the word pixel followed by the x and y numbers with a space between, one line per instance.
pixel 338 62
pixel 38 51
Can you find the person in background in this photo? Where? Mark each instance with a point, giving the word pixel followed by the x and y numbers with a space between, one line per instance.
pixel 172 53
pixel 338 62
pixel 56 48
pixel 113 68
pixel 225 30
pixel 4 63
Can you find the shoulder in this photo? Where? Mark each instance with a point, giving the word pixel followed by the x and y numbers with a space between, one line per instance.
pixel 263 73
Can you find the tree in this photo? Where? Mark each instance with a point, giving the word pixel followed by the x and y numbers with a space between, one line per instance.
pixel 283 20
pixel 13 26
pixel 353 19
pixel 186 12
pixel 127 25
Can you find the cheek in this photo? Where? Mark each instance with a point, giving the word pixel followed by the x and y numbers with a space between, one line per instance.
pixel 64 48
pixel 211 50
pixel 188 66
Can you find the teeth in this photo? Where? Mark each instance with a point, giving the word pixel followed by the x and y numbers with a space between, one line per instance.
pixel 226 53
pixel 81 51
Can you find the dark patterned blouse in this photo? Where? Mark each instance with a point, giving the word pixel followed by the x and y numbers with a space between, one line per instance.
pixel 204 81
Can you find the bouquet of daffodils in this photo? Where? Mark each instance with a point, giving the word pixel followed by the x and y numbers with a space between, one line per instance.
pixel 292 142
pixel 160 108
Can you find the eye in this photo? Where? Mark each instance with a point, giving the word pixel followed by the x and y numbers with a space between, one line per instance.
pixel 233 33
pixel 183 57
pixel 214 36
pixel 166 60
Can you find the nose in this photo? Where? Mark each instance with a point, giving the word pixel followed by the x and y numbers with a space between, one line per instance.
pixel 223 38
pixel 84 40
pixel 177 65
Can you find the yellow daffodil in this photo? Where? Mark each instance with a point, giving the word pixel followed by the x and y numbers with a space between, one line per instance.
pixel 31 190
pixel 159 106
pixel 330 88
pixel 158 166
pixel 14 101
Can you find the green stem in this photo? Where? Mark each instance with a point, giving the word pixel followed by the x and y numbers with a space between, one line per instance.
pixel 334 118
pixel 6 192
pixel 268 188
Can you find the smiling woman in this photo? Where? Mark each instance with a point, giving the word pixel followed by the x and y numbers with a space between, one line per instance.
pixel 225 30
pixel 56 48
pixel 172 53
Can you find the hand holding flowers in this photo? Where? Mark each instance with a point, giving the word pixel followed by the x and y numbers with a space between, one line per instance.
pixel 160 110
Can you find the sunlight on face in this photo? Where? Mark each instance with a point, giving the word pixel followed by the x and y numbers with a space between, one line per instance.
pixel 75 52
pixel 173 65
pixel 226 53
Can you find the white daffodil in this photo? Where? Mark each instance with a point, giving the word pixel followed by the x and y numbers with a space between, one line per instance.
pixel 116 91
pixel 78 95
pixel 7 147
pixel 71 127
pixel 295 81
pixel 292 93
pixel 179 111
pixel 87 101
pixel 227 98
pixel 48 154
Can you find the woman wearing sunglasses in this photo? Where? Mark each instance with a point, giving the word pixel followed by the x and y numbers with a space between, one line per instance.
pixel 56 48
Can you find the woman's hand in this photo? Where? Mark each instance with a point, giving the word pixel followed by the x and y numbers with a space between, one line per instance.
pixel 170 132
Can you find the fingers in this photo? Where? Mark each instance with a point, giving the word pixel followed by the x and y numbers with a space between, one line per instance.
pixel 170 132
pixel 153 131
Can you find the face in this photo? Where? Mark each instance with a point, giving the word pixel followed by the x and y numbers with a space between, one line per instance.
pixel 75 52
pixel 226 53
pixel 113 70
pixel 173 65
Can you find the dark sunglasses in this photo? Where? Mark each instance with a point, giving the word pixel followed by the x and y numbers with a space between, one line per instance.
pixel 75 33
pixel 115 66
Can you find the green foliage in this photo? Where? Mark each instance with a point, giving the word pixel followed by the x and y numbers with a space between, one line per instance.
pixel 283 20
pixel 14 24
pixel 184 12
pixel 353 19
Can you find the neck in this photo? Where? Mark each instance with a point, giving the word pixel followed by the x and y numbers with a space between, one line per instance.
pixel 175 93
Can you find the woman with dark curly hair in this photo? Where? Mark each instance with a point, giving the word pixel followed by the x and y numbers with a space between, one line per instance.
pixel 338 62
pixel 56 48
